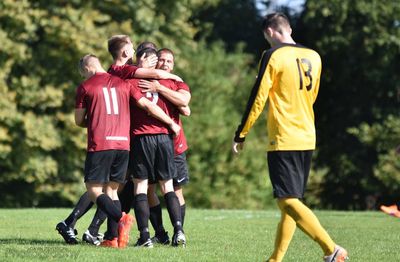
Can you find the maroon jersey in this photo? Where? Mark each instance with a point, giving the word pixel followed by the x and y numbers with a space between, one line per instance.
pixel 124 71
pixel 183 86
pixel 106 100
pixel 141 122
pixel 180 143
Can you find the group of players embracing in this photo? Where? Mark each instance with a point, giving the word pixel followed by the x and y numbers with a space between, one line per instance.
pixel 135 140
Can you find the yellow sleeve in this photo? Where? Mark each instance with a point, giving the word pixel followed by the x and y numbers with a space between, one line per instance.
pixel 258 97
pixel 316 88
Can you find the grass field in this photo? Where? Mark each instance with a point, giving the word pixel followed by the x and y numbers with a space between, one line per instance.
pixel 213 235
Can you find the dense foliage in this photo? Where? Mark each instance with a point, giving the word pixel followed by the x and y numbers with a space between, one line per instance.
pixel 42 151
pixel 357 110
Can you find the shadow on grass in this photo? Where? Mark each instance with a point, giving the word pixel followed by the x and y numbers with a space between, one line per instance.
pixel 23 241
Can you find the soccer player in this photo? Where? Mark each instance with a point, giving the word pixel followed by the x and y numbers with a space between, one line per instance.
pixel 102 105
pixel 152 161
pixel 125 191
pixel 288 77
pixel 179 98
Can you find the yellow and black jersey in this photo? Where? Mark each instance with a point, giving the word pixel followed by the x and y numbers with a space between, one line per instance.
pixel 288 78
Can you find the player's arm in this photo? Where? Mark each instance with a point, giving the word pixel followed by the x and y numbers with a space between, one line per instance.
pixel 316 88
pixel 179 98
pixel 156 112
pixel 184 110
pixel 256 102
pixel 80 117
pixel 155 73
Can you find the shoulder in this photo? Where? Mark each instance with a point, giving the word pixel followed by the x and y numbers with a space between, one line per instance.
pixel 130 68
pixel 182 85
pixel 167 82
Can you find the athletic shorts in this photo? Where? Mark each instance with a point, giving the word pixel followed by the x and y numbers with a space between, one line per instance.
pixel 152 157
pixel 288 171
pixel 182 171
pixel 105 166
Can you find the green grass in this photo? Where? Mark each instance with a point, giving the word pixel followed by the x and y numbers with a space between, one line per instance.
pixel 213 235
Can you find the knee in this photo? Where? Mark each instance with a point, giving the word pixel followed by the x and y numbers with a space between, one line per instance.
pixel 285 204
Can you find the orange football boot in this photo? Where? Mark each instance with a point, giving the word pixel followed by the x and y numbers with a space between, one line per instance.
pixel 124 228
pixel 110 243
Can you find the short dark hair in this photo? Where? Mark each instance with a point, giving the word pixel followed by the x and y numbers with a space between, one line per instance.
pixel 165 50
pixel 147 51
pixel 276 21
pixel 146 44
pixel 116 43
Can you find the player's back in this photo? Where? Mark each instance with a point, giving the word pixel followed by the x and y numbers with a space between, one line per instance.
pixel 106 99
pixel 295 73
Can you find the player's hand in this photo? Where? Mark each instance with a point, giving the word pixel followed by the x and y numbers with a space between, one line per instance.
pixel 149 86
pixel 175 128
pixel 148 62
pixel 237 147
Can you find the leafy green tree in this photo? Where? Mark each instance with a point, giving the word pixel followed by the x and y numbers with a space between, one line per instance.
pixel 233 22
pixel 359 42
pixel 42 152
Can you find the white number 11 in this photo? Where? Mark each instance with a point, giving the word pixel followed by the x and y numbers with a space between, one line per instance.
pixel 108 102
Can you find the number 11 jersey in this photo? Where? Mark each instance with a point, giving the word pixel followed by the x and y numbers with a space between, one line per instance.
pixel 106 100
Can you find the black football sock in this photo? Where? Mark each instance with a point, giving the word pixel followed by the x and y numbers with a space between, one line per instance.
pixel 126 197
pixel 83 205
pixel 183 213
pixel 142 214
pixel 144 234
pixel 156 219
pixel 112 226
pixel 98 220
pixel 106 204
pixel 174 210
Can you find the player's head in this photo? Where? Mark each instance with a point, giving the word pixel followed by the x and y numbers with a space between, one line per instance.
pixel 276 27
pixel 146 44
pixel 89 65
pixel 165 59
pixel 120 47
pixel 147 51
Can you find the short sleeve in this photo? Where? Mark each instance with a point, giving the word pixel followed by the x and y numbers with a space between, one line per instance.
pixel 80 101
pixel 183 86
pixel 129 71
pixel 135 92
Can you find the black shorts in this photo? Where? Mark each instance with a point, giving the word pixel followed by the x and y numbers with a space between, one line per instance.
pixel 105 166
pixel 288 171
pixel 152 157
pixel 182 171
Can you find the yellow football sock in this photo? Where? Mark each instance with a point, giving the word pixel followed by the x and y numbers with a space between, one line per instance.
pixel 284 234
pixel 307 222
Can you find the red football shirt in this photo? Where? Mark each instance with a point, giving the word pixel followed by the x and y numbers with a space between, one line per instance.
pixel 180 143
pixel 106 100
pixel 141 122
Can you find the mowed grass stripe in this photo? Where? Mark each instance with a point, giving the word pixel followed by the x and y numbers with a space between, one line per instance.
pixel 212 235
